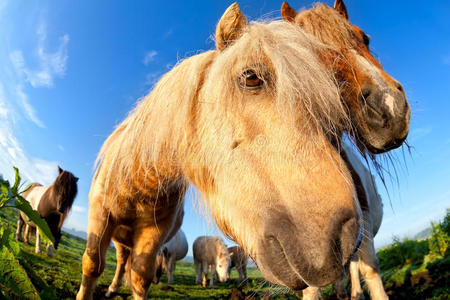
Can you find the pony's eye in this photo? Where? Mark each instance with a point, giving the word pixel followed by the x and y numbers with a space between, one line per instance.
pixel 249 79
pixel 366 39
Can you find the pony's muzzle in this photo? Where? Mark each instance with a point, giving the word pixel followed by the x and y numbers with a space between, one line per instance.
pixel 387 113
pixel 296 256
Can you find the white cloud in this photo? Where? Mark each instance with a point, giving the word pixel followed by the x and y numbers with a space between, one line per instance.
pixel 78 209
pixel 32 169
pixel 22 99
pixel 50 64
pixel 149 57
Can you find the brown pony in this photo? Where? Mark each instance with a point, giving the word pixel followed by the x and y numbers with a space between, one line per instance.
pixel 376 102
pixel 248 124
pixel 378 108
pixel 53 203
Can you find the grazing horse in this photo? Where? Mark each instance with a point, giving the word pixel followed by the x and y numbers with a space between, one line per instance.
pixel 210 253
pixel 239 261
pixel 376 102
pixel 249 124
pixel 53 203
pixel 172 251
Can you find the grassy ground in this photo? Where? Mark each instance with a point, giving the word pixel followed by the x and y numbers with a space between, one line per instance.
pixel 59 277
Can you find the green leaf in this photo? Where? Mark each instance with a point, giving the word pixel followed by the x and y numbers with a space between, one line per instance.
pixel 8 240
pixel 4 192
pixel 14 280
pixel 15 187
pixel 34 216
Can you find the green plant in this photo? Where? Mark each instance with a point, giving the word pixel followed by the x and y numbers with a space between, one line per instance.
pixel 14 280
pixel 440 236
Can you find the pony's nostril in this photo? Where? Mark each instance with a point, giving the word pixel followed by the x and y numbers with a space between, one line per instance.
pixel 365 93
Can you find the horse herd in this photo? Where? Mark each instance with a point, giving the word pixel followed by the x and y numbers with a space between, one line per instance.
pixel 257 126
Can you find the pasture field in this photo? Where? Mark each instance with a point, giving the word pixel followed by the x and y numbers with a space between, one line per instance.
pixel 410 270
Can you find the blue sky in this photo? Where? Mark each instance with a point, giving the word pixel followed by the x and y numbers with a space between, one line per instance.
pixel 71 70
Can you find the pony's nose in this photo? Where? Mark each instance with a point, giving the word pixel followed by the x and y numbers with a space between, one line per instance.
pixel 299 254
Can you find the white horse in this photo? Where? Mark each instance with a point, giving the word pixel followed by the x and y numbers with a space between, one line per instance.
pixel 172 251
pixel 211 253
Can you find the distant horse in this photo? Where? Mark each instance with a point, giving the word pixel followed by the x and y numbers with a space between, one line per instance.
pixel 172 251
pixel 239 260
pixel 376 102
pixel 210 253
pixel 53 203
pixel 249 124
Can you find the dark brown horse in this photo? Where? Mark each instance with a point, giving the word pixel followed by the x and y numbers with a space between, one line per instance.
pixel 53 203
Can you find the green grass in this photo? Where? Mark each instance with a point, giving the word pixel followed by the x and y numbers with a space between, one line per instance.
pixel 410 271
pixel 59 277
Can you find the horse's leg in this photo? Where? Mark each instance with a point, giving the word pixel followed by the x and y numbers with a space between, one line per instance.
pixel 122 254
pixel 311 293
pixel 19 227
pixel 370 270
pixel 49 250
pixel 357 292
pixel 26 234
pixel 171 268
pixel 244 271
pixel 213 272
pixel 198 271
pixel 37 248
pixel 340 289
pixel 147 241
pixel 205 267
pixel 241 273
pixel 100 230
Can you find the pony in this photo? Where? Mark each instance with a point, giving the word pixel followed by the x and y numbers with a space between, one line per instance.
pixel 376 102
pixel 211 253
pixel 239 261
pixel 53 203
pixel 377 106
pixel 250 124
pixel 172 251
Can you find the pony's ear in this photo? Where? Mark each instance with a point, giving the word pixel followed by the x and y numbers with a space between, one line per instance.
pixel 287 12
pixel 230 26
pixel 60 170
pixel 340 7
pixel 76 179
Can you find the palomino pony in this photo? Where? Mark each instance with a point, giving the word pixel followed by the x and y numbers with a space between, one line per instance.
pixel 210 254
pixel 53 203
pixel 249 125
pixel 376 102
